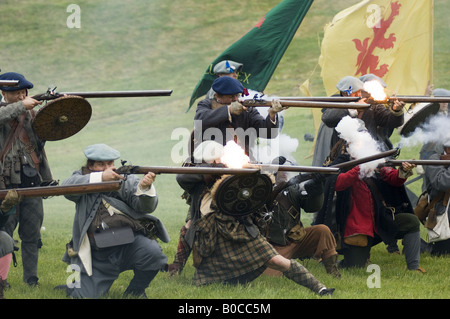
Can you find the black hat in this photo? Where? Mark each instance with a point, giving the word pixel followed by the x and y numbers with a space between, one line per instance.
pixel 23 83
pixel 226 85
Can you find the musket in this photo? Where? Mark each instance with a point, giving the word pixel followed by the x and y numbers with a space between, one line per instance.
pixel 296 168
pixel 311 104
pixel 51 94
pixel 413 99
pixel 9 82
pixel 366 159
pixel 256 168
pixel 321 98
pixel 419 162
pixel 46 191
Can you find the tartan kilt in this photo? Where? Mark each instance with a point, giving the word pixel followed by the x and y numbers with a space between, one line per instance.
pixel 227 251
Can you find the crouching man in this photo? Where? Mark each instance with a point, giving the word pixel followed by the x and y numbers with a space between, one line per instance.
pixel 107 236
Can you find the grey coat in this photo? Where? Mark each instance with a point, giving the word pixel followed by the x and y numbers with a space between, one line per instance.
pixel 125 200
pixel 437 179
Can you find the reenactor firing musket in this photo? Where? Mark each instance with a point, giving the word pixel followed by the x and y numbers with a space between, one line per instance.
pixel 46 191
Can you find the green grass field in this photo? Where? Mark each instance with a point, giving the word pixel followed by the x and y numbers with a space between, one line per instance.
pixel 144 45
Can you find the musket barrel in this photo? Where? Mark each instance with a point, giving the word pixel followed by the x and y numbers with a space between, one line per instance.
pixel 46 191
pixel 9 82
pixel 311 104
pixel 104 94
pixel 420 162
pixel 321 98
pixel 366 159
pixel 424 99
pixel 107 94
pixel 312 169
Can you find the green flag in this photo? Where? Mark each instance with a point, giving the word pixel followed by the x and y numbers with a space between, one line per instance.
pixel 261 49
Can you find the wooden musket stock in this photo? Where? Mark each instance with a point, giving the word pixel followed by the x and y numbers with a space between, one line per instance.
pixel 46 191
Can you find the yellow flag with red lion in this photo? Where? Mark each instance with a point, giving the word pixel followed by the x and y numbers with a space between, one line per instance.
pixel 392 39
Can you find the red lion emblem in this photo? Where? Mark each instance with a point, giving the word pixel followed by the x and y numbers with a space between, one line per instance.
pixel 367 62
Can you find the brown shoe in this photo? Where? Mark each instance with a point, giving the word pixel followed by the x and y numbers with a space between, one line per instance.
pixel 421 270
pixel 331 267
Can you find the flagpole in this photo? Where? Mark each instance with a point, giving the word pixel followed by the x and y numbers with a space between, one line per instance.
pixel 432 42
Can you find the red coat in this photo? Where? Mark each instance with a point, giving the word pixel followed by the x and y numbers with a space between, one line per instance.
pixel 360 219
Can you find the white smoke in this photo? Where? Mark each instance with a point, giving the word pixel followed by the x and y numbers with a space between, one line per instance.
pixel 268 149
pixel 435 130
pixel 360 144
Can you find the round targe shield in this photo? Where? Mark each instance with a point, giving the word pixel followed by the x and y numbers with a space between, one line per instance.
pixel 417 116
pixel 62 118
pixel 240 195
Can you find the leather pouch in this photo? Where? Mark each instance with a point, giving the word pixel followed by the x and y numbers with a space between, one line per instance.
pixel 114 237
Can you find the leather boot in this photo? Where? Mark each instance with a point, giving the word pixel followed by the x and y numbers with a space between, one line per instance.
pixel 300 275
pixel 139 283
pixel 331 267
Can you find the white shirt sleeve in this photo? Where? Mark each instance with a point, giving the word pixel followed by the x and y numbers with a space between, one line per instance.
pixel 149 191
pixel 95 177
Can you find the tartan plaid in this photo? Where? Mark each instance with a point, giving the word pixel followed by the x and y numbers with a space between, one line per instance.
pixel 183 249
pixel 228 251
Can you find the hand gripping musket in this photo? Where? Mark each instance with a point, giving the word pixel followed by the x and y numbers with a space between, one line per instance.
pixel 301 103
pixel 256 168
pixel 46 191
